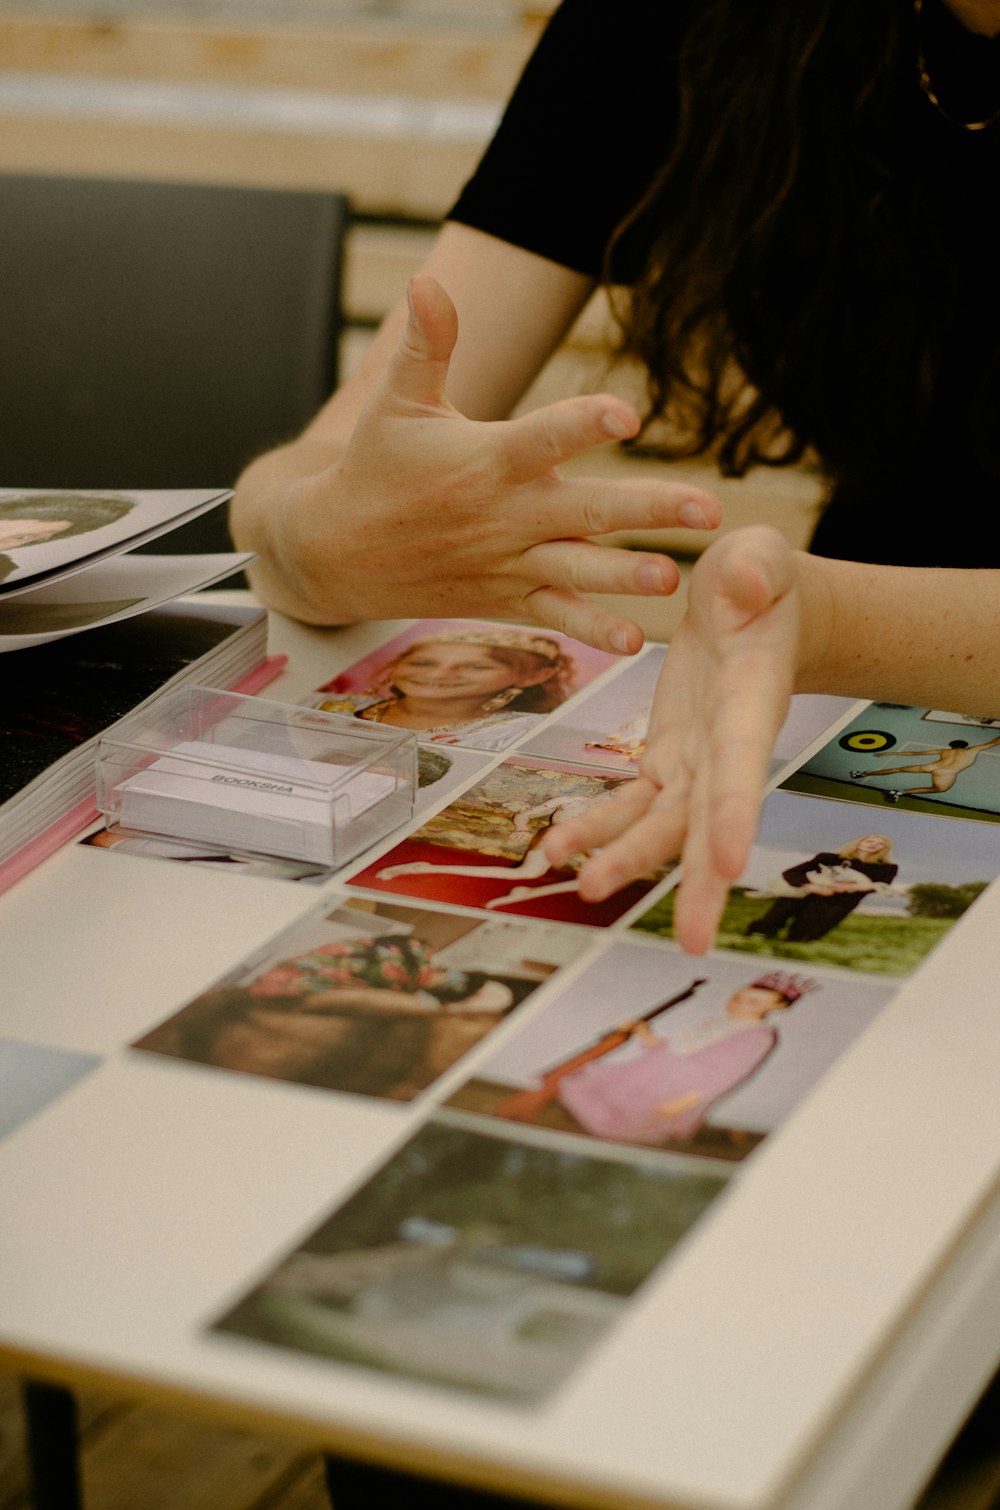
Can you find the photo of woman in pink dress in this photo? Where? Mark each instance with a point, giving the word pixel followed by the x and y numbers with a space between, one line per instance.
pixel 665 1092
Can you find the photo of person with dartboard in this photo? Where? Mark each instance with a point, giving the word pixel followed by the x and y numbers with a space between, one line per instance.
pixel 959 757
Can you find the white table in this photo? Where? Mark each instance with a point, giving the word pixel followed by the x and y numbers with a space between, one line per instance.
pixel 814 1345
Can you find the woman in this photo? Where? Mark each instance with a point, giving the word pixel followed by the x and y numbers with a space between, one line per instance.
pixel 667 1091
pixel 799 197
pixel 485 687
pixel 377 1016
pixel 830 885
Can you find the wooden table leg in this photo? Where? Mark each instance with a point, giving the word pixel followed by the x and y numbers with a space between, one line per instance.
pixel 359 1486
pixel 52 1446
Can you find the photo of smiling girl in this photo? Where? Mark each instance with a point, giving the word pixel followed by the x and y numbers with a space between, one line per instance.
pixel 478 684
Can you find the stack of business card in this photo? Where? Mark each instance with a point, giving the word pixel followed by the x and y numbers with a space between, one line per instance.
pixel 246 799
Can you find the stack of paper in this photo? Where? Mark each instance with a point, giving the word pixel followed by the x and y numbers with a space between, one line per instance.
pixel 63 566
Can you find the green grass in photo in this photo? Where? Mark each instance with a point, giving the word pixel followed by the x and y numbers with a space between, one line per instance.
pixel 854 791
pixel 889 945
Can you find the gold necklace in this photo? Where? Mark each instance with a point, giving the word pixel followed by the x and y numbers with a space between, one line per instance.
pixel 924 79
pixel 373 713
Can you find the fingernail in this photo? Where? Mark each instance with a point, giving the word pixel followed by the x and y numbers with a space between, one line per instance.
pixel 596 891
pixel 620 641
pixel 614 426
pixel 650 577
pixel 694 516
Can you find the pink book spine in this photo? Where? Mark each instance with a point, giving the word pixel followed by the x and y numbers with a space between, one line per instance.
pixel 79 817
pixel 261 675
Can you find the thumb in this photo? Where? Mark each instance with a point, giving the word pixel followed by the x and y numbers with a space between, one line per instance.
pixel 418 370
pixel 755 570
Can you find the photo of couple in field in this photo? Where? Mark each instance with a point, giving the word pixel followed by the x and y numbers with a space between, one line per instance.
pixel 823 888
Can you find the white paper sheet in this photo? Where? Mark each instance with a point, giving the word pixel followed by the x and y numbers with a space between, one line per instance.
pixel 116 589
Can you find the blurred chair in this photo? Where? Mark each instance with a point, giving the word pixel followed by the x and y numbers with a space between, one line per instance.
pixel 155 335
pixel 160 335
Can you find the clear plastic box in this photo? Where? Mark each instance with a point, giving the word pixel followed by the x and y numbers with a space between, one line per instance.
pixel 255 777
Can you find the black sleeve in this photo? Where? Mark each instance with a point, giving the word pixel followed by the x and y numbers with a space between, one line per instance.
pixel 797 875
pixel 586 129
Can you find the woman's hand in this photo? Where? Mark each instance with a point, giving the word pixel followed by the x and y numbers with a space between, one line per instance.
pixel 428 513
pixel 720 702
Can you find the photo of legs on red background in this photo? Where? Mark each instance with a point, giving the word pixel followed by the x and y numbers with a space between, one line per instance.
pixel 485 848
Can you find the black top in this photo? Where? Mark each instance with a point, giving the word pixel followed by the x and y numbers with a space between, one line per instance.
pixel 589 125
pixel 586 129
pixel 872 870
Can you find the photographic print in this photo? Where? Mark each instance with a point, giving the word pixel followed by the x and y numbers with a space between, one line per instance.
pixel 485 848
pixel 651 1047
pixel 45 534
pixel 367 997
pixel 809 713
pixel 478 1263
pixel 116 589
pixel 465 682
pixel 32 1076
pixel 823 888
pixel 608 726
pixel 440 771
pixel 914 758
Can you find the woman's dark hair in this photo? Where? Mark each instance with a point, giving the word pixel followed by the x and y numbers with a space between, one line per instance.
pixel 775 309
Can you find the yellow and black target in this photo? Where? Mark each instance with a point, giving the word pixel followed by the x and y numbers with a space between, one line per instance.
pixel 867 741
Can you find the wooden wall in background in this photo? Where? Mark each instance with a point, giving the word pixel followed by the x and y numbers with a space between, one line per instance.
pixel 391 109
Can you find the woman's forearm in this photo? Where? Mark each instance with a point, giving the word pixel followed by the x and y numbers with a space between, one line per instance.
pixel 924 636
pixel 763 621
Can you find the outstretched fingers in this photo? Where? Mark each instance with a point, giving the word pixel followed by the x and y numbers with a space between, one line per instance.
pixel 418 370
pixel 571 613
pixel 603 821
pixel 747 610
pixel 585 506
pixel 567 570
pixel 699 903
pixel 704 883
pixel 733 775
pixel 582 566
pixel 653 840
pixel 536 443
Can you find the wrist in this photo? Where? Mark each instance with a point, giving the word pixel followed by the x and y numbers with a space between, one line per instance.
pixel 817 597
pixel 283 515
